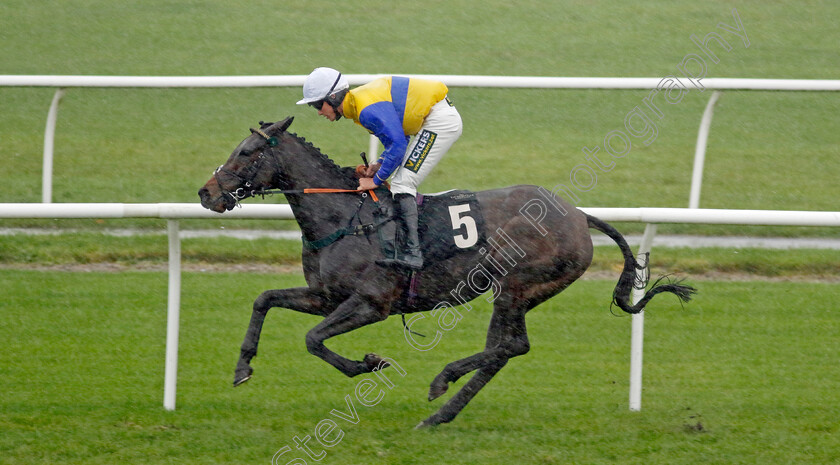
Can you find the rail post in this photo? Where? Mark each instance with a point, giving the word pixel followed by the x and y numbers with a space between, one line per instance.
pixel 49 144
pixel 638 324
pixel 700 151
pixel 173 311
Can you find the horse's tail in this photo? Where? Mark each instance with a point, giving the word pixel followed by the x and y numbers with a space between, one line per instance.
pixel 628 280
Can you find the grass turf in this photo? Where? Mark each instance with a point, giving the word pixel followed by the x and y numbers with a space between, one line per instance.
pixel 90 248
pixel 743 374
pixel 768 150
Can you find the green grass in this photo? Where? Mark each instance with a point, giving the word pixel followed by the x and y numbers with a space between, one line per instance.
pixel 743 374
pixel 137 251
pixel 84 248
pixel 685 262
pixel 767 150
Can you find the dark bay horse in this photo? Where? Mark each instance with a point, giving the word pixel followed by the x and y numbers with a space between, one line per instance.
pixel 547 248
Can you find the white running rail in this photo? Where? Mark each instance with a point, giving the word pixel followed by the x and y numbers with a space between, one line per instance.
pixel 532 82
pixel 173 212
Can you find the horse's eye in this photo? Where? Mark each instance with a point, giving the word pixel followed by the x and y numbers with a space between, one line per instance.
pixel 244 153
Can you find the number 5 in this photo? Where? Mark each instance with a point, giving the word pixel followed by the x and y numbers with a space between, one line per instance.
pixel 460 216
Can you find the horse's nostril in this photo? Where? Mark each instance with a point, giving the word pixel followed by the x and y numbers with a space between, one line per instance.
pixel 204 195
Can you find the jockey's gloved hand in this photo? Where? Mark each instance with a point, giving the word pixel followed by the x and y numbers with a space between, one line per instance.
pixel 372 169
pixel 360 171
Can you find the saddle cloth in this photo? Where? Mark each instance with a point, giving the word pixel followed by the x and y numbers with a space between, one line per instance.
pixel 450 222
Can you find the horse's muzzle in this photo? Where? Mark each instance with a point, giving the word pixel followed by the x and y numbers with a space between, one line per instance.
pixel 218 204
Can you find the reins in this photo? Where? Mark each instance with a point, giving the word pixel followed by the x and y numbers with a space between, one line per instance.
pixel 312 190
pixel 349 230
pixel 247 180
pixel 242 192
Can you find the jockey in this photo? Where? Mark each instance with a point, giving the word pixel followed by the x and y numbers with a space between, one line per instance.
pixel 414 120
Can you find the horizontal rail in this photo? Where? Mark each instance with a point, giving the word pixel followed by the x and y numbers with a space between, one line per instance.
pixel 532 82
pixel 140 210
pixel 717 216
pixel 450 80
pixel 284 211
pixel 175 211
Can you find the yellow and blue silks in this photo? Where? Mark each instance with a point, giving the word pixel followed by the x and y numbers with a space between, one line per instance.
pixel 393 108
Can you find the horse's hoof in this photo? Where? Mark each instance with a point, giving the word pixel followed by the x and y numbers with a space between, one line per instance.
pixel 241 377
pixel 428 423
pixel 375 362
pixel 437 388
pixel 422 425
pixel 434 393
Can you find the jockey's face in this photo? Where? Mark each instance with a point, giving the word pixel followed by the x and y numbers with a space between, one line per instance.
pixel 327 111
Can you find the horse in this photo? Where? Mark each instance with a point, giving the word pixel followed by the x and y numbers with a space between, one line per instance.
pixel 547 247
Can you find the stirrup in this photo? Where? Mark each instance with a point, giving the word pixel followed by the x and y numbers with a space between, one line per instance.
pixel 411 262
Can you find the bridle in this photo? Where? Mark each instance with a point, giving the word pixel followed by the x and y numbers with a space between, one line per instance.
pixel 246 179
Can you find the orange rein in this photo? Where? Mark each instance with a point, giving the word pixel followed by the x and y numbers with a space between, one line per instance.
pixel 327 190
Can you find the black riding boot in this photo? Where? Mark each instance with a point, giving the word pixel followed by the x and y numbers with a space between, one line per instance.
pixel 411 258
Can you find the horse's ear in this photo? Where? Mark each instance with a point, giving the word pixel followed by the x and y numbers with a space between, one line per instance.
pixel 279 126
pixel 285 123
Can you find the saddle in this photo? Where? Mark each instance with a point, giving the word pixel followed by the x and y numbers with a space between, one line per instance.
pixel 450 222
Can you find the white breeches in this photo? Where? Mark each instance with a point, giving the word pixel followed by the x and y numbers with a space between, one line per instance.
pixel 440 130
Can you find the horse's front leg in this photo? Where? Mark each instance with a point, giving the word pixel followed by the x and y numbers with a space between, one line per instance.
pixel 351 314
pixel 300 299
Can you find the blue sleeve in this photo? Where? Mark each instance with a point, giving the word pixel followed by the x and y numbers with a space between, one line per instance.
pixel 382 120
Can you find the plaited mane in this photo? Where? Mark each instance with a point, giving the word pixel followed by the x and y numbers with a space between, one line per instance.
pixel 344 174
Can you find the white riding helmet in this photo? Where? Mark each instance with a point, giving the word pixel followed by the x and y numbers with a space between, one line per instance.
pixel 322 83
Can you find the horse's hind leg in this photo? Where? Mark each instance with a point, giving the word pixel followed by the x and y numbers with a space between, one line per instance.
pixel 301 299
pixel 508 335
pixel 454 406
pixel 506 338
